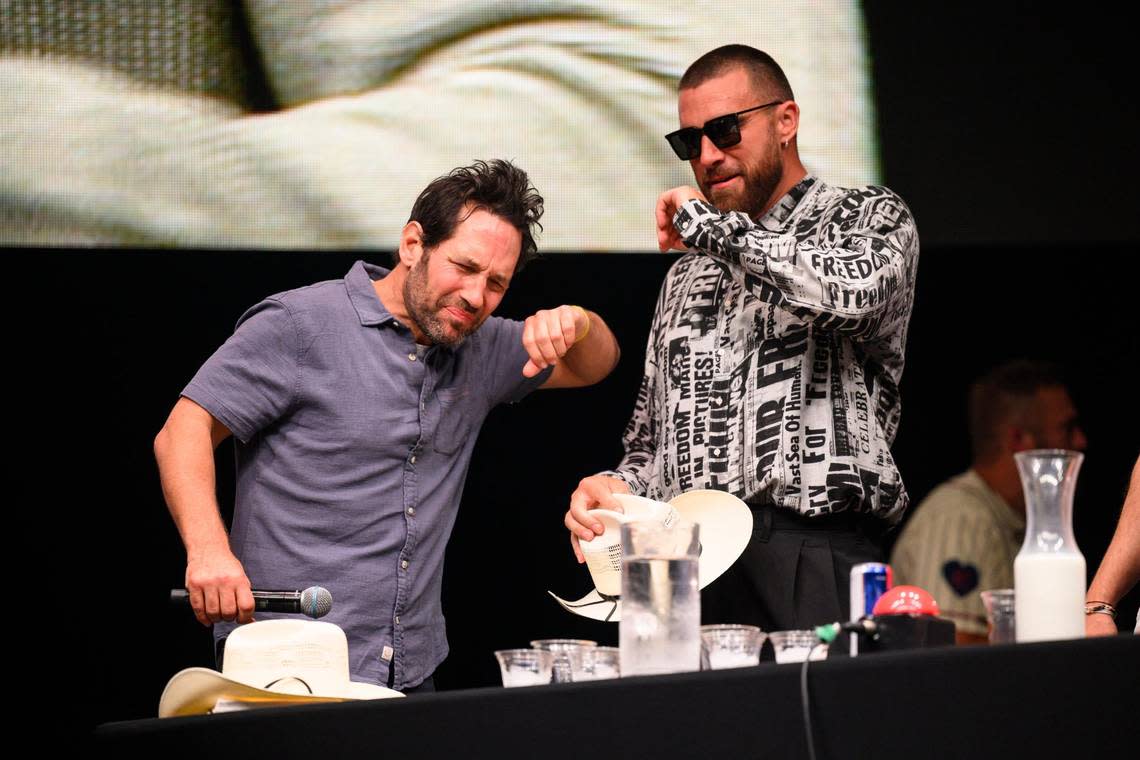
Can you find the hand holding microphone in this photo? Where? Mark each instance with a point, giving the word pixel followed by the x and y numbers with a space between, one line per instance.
pixel 315 601
pixel 218 589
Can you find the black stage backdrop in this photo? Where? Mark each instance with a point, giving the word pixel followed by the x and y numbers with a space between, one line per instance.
pixel 1006 121
pixel 127 331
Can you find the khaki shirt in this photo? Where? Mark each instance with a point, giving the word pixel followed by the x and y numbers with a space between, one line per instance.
pixel 962 540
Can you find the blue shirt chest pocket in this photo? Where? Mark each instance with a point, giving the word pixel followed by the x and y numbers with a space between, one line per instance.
pixel 460 411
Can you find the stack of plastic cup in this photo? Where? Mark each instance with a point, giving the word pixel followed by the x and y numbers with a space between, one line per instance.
pixel 567 655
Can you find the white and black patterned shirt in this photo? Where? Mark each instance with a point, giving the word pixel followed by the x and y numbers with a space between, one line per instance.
pixel 775 354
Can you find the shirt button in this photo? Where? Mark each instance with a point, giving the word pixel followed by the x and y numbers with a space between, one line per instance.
pixel 397 620
pixel 404 564
pixel 413 459
pixel 411 510
pixel 411 357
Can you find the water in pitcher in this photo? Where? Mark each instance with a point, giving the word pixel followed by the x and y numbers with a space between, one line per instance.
pixel 661 611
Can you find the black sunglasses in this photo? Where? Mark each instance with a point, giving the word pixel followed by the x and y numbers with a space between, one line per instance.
pixel 723 131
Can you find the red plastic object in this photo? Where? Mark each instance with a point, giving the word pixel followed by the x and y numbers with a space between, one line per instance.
pixel 906 600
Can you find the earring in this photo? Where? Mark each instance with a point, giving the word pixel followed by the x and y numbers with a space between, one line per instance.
pixel 785 144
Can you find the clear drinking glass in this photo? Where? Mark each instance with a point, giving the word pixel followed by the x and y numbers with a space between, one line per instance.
pixel 1049 571
pixel 525 667
pixel 1000 615
pixel 732 646
pixel 660 598
pixel 567 655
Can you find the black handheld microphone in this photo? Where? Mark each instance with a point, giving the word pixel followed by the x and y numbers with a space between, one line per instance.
pixel 314 601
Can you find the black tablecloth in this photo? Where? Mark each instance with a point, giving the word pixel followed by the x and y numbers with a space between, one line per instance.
pixel 1063 699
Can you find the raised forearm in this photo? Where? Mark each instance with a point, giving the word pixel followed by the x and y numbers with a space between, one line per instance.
pixel 592 358
pixel 1120 568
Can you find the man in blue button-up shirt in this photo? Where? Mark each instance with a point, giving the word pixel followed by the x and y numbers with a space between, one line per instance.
pixel 355 405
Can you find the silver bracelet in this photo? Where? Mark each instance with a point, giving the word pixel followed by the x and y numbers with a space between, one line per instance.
pixel 1102 608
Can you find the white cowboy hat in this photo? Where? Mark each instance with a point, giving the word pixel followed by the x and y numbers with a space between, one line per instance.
pixel 269 664
pixel 725 529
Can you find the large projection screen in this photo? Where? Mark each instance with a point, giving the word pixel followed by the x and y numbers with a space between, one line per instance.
pixel 144 122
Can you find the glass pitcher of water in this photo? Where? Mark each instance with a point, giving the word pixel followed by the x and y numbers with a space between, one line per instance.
pixel 661 598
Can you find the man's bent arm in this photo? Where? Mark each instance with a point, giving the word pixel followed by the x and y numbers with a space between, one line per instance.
pixel 861 286
pixel 184 450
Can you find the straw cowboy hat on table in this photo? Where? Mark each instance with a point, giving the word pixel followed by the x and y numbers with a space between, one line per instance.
pixel 271 663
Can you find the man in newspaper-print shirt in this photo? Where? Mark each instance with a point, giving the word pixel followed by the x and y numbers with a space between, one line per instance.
pixel 775 353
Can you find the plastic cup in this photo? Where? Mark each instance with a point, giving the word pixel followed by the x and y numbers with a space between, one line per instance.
pixel 732 646
pixel 796 646
pixel 525 667
pixel 1000 615
pixel 598 663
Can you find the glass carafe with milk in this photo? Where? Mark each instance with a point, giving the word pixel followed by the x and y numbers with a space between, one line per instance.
pixel 1049 572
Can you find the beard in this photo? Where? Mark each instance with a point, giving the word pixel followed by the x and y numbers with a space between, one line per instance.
pixel 760 182
pixel 424 311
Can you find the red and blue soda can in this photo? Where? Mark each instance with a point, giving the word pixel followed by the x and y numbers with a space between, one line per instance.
pixel 869 581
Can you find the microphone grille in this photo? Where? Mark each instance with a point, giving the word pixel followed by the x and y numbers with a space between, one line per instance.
pixel 316 601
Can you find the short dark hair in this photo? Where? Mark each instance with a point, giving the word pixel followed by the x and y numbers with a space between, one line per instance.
pixel 1006 395
pixel 767 77
pixel 496 186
